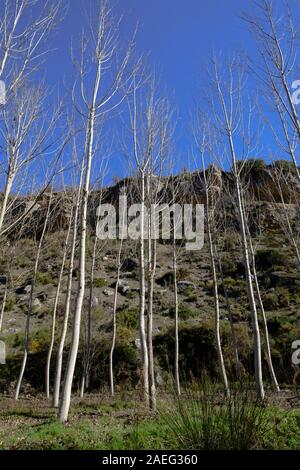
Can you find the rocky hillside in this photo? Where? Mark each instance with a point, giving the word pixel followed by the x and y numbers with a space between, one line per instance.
pixel 278 276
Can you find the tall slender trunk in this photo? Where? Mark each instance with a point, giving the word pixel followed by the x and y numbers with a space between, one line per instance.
pixel 89 329
pixel 53 328
pixel 176 320
pixel 216 295
pixel 29 312
pixel 3 304
pixel 143 338
pixel 7 190
pixel 264 321
pixel 114 326
pixel 69 375
pixel 255 326
pixel 62 340
pixel 151 274
pixel 256 333
pixel 232 328
pixel 114 319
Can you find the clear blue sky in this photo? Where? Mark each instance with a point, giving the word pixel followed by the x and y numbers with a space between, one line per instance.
pixel 179 36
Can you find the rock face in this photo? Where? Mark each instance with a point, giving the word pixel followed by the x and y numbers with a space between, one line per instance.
pixel 123 288
pixel 262 183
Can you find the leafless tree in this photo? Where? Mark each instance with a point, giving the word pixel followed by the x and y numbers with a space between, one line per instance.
pixel 277 42
pixel 228 118
pixel 103 52
pixel 64 328
pixel 25 26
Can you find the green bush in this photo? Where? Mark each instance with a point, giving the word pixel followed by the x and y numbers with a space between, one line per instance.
pixel 100 282
pixel 128 317
pixel 10 303
pixel 200 421
pixel 43 278
pixel 184 312
pixel 253 167
pixel 229 266
pixel 269 259
pixel 196 346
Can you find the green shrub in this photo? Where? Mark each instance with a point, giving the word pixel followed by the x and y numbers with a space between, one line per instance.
pixel 10 303
pixel 200 421
pixel 184 312
pixel 253 167
pixel 100 282
pixel 231 241
pixel 43 278
pixel 192 297
pixel 128 317
pixel 228 265
pixel 270 301
pixel 269 258
pixel 23 261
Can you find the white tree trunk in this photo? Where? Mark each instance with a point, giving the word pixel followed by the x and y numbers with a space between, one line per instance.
pixel 62 340
pixel 143 338
pixel 53 328
pixel 176 320
pixel 264 321
pixel 256 333
pixel 67 389
pixel 151 274
pixel 27 324
pixel 3 305
pixel 7 191
pixel 114 327
pixel 89 329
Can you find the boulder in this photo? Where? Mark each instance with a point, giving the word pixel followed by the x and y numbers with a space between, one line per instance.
pixel 108 292
pixel 36 304
pixel 130 264
pixel 183 285
pixel 42 296
pixel 123 288
pixel 23 290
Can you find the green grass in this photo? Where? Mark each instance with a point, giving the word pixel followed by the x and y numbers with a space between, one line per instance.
pixel 203 419
pixel 124 425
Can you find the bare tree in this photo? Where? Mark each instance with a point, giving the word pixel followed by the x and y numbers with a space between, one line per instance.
pixel 64 328
pixel 228 119
pixel 103 53
pixel 25 26
pixel 258 293
pixel 277 42
pixel 114 316
pixel 211 200
pixel 27 133
pixel 58 289
pixel 3 305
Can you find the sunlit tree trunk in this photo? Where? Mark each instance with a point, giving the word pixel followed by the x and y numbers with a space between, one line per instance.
pixel 29 312
pixel 53 328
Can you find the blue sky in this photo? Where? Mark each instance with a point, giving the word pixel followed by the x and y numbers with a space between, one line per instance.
pixel 179 36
